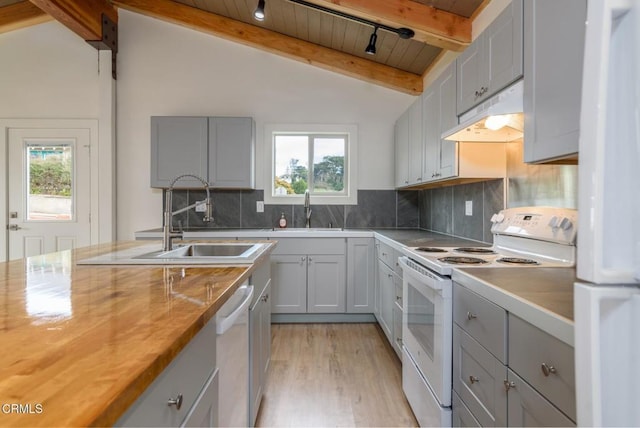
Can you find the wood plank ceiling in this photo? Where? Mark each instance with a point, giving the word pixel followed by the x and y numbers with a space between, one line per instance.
pixel 320 38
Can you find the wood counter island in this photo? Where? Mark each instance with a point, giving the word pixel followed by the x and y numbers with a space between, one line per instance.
pixel 80 343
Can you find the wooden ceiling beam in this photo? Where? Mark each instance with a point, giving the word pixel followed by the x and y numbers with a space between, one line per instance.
pixel 276 43
pixel 83 17
pixel 432 26
pixel 21 15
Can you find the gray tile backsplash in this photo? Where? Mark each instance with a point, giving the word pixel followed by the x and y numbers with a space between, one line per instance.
pixel 440 209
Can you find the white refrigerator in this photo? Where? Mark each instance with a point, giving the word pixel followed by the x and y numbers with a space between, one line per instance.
pixel 607 296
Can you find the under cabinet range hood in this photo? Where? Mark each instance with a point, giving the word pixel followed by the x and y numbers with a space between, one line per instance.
pixel 499 119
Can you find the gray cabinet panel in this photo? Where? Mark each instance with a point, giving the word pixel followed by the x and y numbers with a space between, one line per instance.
pixel 402 150
pixel 231 152
pixel 289 276
pixel 554 50
pixel 461 416
pixel 179 145
pixel 482 319
pixel 527 408
pixel 326 284
pixel 397 330
pixel 415 142
pixel 478 379
pixel 387 296
pixel 360 275
pixel 447 165
pixel 529 349
pixel 471 75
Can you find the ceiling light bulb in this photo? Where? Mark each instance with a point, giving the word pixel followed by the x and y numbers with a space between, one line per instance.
pixel 371 48
pixel 258 14
pixel 496 122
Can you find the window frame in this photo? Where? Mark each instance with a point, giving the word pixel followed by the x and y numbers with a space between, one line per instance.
pixel 350 194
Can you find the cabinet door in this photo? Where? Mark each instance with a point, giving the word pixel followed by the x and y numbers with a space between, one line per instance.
pixel 179 145
pixel 470 75
pixel 503 49
pixel 265 334
pixel 397 330
pixel 431 132
pixel 289 284
pixel 231 152
pixel 360 275
pixel 415 142
pixel 554 50
pixel 387 299
pixel 326 284
pixel 527 408
pixel 402 150
pixel 260 350
pixel 446 162
pixel 204 412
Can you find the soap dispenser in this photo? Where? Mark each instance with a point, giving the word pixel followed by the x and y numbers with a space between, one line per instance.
pixel 283 221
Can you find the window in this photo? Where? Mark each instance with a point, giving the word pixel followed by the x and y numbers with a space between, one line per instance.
pixel 317 158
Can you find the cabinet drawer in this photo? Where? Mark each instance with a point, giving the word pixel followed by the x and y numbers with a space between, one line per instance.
pixel 532 353
pixel 310 246
pixel 485 321
pixel 386 253
pixel 527 408
pixel 478 378
pixel 186 375
pixel 462 416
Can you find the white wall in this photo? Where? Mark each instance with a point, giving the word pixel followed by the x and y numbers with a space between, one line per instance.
pixel 164 69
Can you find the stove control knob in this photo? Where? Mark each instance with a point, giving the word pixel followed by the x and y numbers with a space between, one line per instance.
pixel 494 218
pixel 565 224
pixel 554 222
pixel 497 218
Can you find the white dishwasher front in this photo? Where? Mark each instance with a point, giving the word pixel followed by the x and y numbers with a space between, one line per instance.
pixel 232 357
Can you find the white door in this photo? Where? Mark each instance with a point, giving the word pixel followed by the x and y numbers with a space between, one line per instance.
pixel 49 190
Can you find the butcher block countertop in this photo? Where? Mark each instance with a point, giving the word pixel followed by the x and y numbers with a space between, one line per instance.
pixel 82 342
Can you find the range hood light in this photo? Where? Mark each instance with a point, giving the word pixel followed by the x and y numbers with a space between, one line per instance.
pixel 497 122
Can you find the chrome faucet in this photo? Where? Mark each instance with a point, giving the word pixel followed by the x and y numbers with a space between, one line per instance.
pixel 168 232
pixel 307 208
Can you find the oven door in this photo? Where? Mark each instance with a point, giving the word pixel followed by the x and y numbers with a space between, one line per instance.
pixel 427 324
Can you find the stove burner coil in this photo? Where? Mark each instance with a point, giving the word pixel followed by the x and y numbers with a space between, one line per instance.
pixel 517 261
pixel 431 250
pixel 473 250
pixel 462 260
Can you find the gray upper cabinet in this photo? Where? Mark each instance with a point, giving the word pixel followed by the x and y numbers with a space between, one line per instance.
pixel 402 150
pixel 492 61
pixel 218 149
pixel 554 50
pixel 408 146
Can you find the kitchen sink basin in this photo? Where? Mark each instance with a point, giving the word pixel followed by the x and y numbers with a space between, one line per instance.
pixel 201 253
pixel 307 229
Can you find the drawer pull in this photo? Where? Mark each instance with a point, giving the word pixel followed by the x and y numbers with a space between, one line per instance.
pixel 471 316
pixel 546 369
pixel 473 379
pixel 265 298
pixel 175 402
pixel 508 385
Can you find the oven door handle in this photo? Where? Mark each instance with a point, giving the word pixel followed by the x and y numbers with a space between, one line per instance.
pixel 430 281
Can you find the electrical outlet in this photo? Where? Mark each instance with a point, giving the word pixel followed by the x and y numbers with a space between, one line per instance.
pixel 259 206
pixel 468 208
pixel 201 206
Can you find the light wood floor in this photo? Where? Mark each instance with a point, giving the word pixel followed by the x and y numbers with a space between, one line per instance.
pixel 333 375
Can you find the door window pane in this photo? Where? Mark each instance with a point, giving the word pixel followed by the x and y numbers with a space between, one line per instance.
pixel 49 181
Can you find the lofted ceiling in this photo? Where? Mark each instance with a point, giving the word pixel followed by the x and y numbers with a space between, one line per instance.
pixel 321 39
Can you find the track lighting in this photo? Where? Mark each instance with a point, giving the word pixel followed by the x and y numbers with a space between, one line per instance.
pixel 371 48
pixel 258 14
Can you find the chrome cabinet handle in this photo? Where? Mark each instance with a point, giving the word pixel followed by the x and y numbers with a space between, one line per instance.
pixel 508 385
pixel 265 298
pixel 175 402
pixel 546 369
pixel 483 90
pixel 473 379
pixel 13 227
pixel 310 259
pixel 471 316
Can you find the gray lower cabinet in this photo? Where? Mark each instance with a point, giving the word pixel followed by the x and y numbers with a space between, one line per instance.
pixel 309 276
pixel 389 294
pixel 554 34
pixel 492 61
pixel 259 338
pixel 219 149
pixel 360 275
pixel 387 300
pixel 192 376
pixel 461 416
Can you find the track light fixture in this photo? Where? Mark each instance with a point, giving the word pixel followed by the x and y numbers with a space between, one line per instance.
pixel 403 33
pixel 258 14
pixel 371 48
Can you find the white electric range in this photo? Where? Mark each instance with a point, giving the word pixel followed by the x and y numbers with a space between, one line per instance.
pixel 523 237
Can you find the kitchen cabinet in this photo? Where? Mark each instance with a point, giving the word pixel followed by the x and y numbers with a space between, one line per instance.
pixel 192 378
pixel 554 34
pixel 492 61
pixel 389 294
pixel 259 337
pixel 387 300
pixel 439 115
pixel 360 275
pixel 309 276
pixel 409 146
pixel 218 149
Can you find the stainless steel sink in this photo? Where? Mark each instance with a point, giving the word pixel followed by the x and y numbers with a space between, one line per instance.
pixel 229 253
